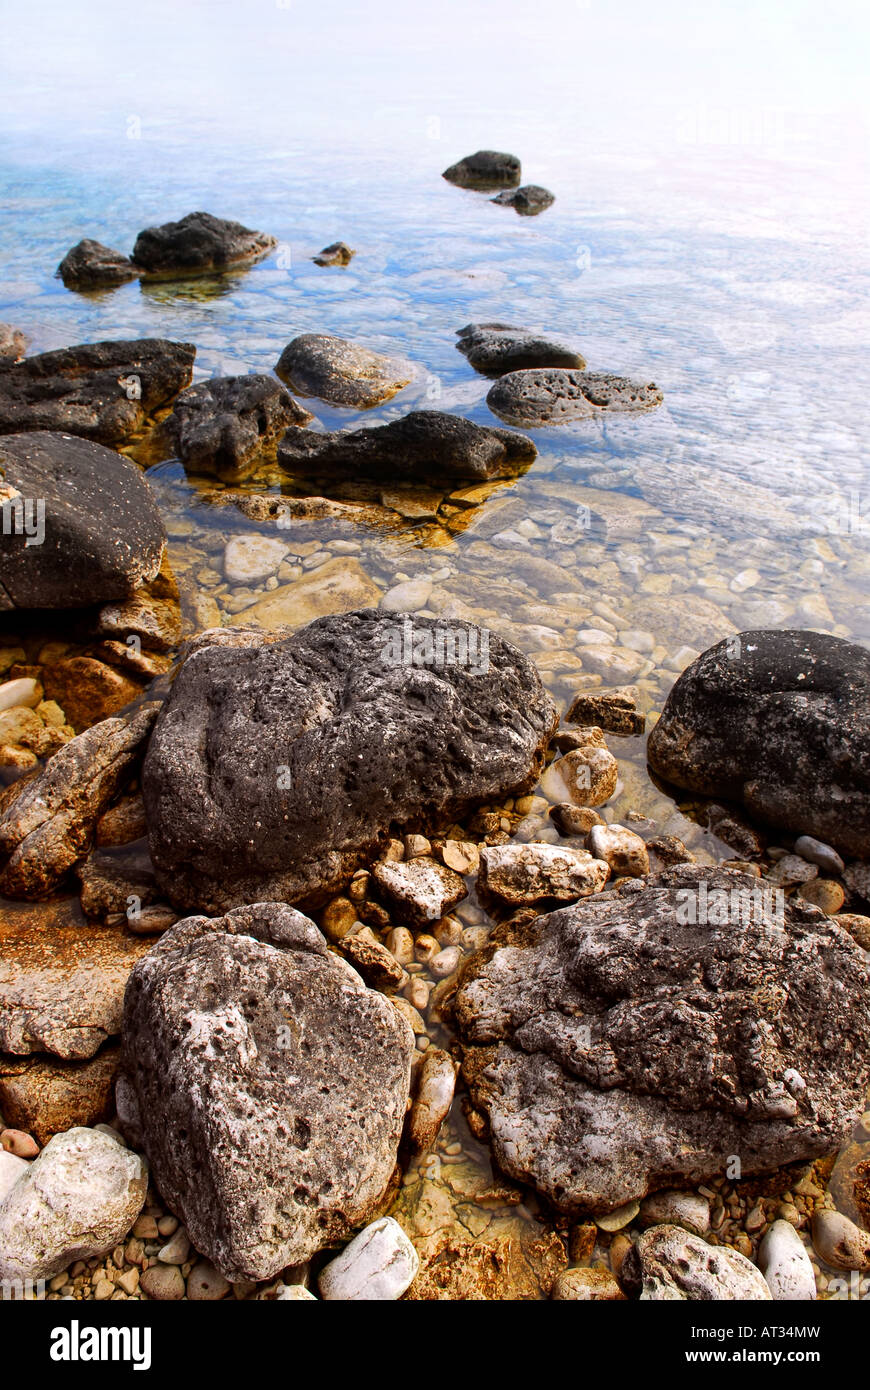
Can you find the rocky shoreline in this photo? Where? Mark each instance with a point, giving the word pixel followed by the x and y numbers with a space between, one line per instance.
pixel 349 950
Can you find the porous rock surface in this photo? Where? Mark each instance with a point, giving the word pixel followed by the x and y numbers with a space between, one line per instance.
pixel 560 395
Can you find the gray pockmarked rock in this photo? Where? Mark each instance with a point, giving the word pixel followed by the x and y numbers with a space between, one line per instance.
pixel 79 1198
pixel 528 200
pixel 523 875
pixel 785 1264
pixel 277 767
pixel 424 446
pixel 83 524
pixel 336 253
pixel 667 1262
pixel 89 265
pixel 485 169
pixel 198 244
pixel 378 1265
pixel 48 827
pixel 341 372
pixel 497 348
pixel 224 426
pixel 104 391
pixel 559 395
pixel 266 1083
pixel 638 1038
pixel 779 721
pixel 419 891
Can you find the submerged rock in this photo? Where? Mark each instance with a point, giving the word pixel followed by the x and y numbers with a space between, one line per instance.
pixel 424 446
pixel 91 266
pixel 528 200
pixel 78 1198
pixel 557 396
pixel 103 391
pixel 267 1084
pixel 198 244
pixel 667 1262
pixel 338 586
pixel 341 372
pixel 485 169
pixel 779 721
pixel 646 1035
pixel 497 348
pixel 223 426
pixel 275 769
pixel 336 253
pixel 83 524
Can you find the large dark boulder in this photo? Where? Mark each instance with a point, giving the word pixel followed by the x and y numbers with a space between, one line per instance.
pixel 558 396
pixel 266 1084
pixel 198 244
pixel 497 348
pixel 80 525
pixel 341 372
pixel 485 169
pixel 223 426
pixel 649 1036
pixel 426 446
pixel 779 721
pixel 103 391
pixel 274 770
pixel 90 265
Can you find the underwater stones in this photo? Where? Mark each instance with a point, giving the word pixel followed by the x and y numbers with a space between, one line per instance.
pixel 557 396
pixel 779 721
pixel 103 391
pixel 425 446
pixel 90 265
pixel 275 768
pixel 497 348
pixel 638 1038
pixel 485 169
pixel 223 426
pixel 338 586
pixel 341 372
pixel 267 1084
pixel 198 244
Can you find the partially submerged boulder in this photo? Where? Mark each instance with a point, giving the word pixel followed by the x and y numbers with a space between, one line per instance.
pixel 528 201
pixel 198 244
pixel 80 525
pixel 426 445
pixel 779 721
pixel 90 265
pixel 497 348
pixel 341 372
pixel 103 391
pixel 650 1034
pixel 275 769
pixel 223 426
pixel 485 169
pixel 336 253
pixel 559 395
pixel 267 1084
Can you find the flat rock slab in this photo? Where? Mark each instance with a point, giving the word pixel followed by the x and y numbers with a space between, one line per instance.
pixel 61 986
pixel 426 446
pixel 339 586
pixel 341 372
pixel 267 1084
pixel 84 525
pixel 779 721
pixel 557 396
pixel 275 769
pixel 90 265
pixel 485 169
pixel 642 1037
pixel 45 1096
pixel 528 201
pixel 223 426
pixel 103 391
pixel 497 348
pixel 198 244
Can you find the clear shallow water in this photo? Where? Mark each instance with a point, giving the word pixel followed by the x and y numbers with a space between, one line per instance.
pixel 728 271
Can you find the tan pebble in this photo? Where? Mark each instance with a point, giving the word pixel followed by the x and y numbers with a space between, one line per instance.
pixel 103 1289
pixel 167 1225
pixel 400 944
pixel 145 1227
pixel 425 948
pixel 129 1281
pixel 338 917
pixel 17 1142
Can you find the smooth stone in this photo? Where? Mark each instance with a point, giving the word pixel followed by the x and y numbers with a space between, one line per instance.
pixel 619 1218
pixel 287 1293
pixel 839 1242
pixel 339 586
pixel 407 597
pixel 785 1264
pixel 827 859
pixel 21 692
pixel 165 1283
pixel 377 1266
pixel 250 559
pixel 19 1143
pixel 431 1106
pixel 672 1208
pixel 621 848
pixel 586 776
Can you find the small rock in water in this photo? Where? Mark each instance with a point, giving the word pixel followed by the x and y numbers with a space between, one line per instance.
pixel 624 851
pixel 222 426
pixel 336 253
pixel 15 1141
pixel 840 1242
pixel 556 396
pixel 377 1266
pixel 523 875
pixel 250 559
pixel 785 1264
pixel 419 891
pixel 408 597
pixel 90 265
pixel 433 1100
pixel 341 372
pixel 165 1283
pixel 496 348
pixel 815 852
pixel 484 170
pixel 205 1284
pixel 528 200
pixel 586 776
pixel 824 893
pixel 667 1262
pixel 617 1219
pixel 198 244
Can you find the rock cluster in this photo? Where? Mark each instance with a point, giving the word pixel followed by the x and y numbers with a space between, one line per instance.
pixel 223 426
